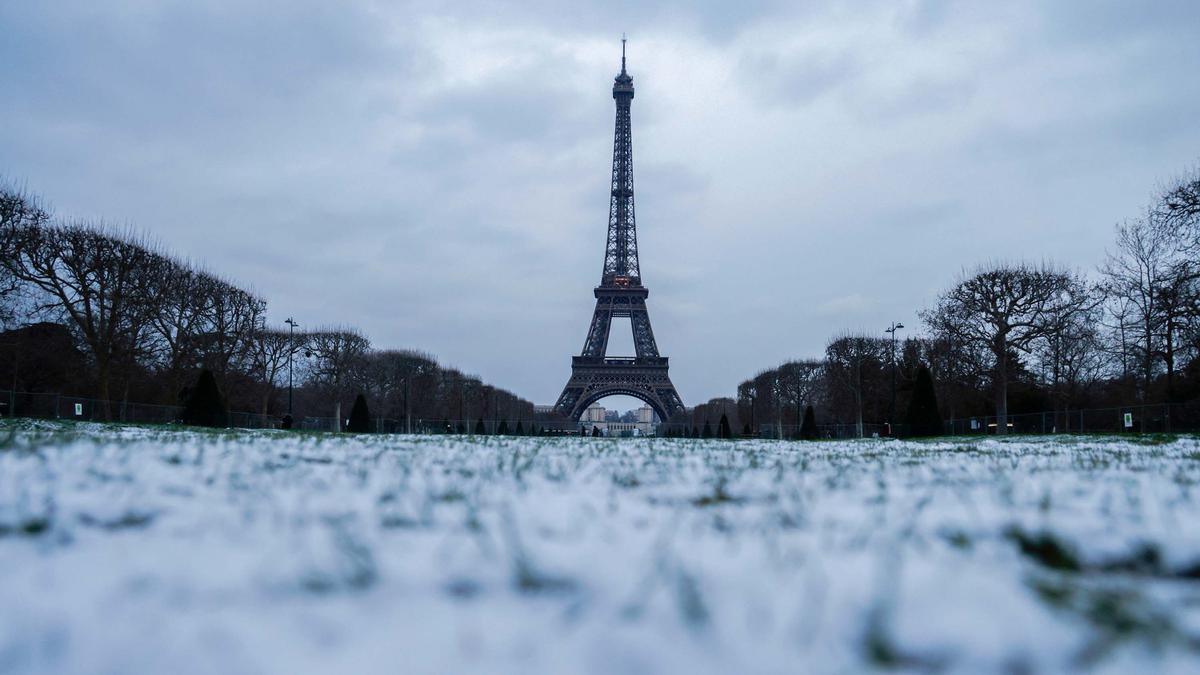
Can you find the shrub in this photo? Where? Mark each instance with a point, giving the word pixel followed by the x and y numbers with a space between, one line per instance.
pixel 923 416
pixel 360 417
pixel 205 407
pixel 808 428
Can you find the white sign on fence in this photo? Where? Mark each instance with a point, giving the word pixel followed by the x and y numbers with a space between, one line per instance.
pixel 1128 420
pixel 78 409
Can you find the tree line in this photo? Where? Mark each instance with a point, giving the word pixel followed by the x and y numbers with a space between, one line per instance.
pixel 1014 337
pixel 98 310
pixel 94 310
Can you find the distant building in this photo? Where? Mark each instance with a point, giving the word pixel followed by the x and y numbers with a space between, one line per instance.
pixel 645 415
pixel 597 416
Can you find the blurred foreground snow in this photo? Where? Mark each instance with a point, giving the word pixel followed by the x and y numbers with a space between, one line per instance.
pixel 132 550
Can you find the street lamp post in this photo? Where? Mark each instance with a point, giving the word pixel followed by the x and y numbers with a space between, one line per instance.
pixel 892 331
pixel 407 409
pixel 291 351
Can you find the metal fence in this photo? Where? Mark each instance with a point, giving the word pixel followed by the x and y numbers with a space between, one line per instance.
pixel 80 408
pixel 776 431
pixel 1149 418
pixel 63 406
pixel 488 427
pixel 1146 418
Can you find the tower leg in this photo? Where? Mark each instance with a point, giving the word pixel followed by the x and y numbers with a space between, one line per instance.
pixel 643 335
pixel 597 338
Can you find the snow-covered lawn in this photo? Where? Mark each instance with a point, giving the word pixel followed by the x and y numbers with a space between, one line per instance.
pixel 135 550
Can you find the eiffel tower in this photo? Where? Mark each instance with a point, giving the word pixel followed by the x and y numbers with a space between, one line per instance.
pixel 594 374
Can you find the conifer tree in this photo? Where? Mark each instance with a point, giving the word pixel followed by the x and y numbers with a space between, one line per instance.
pixel 923 416
pixel 707 430
pixel 360 417
pixel 502 430
pixel 808 429
pixel 520 431
pixel 723 429
pixel 205 407
pixel 480 430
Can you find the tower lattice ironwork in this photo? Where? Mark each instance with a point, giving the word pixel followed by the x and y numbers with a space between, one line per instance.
pixel 595 375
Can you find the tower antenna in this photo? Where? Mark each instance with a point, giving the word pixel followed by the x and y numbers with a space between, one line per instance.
pixel 622 52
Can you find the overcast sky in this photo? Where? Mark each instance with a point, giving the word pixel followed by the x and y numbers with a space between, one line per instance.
pixel 439 178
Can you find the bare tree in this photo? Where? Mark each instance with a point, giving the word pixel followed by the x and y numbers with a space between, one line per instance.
pixel 1134 277
pixel 1070 355
pixel 1003 308
pixel 747 401
pixel 271 349
pixel 1178 306
pixel 394 378
pixel 182 304
pixel 766 384
pixel 799 385
pixel 1178 209
pixel 98 280
pixel 19 212
pixel 337 354
pixel 232 318
pixel 20 209
pixel 854 362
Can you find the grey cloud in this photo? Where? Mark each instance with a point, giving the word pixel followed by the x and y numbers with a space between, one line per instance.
pixel 1103 22
pixel 796 78
pixel 715 20
pixel 514 109
pixel 918 98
